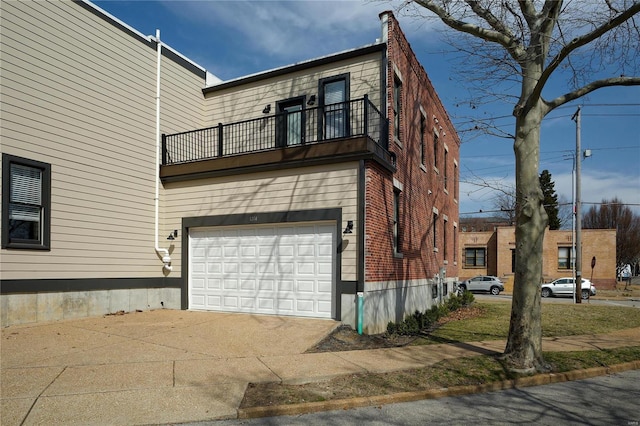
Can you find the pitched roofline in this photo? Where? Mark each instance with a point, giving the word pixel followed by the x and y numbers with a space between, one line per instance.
pixel 347 54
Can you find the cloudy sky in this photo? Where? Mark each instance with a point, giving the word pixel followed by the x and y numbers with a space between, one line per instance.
pixel 236 38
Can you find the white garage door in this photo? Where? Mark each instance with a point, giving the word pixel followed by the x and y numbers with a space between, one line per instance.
pixel 275 269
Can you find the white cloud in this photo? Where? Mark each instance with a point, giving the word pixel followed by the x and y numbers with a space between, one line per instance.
pixel 598 185
pixel 291 30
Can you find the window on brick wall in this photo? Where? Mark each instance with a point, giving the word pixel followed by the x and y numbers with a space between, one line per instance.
pixel 396 222
pixel 397 102
pixel 444 166
pixel 455 243
pixel 444 237
pixel 565 258
pixel 423 130
pixel 475 256
pixel 435 150
pixel 434 231
pixel 455 181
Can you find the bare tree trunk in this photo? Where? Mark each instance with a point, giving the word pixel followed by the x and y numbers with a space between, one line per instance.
pixel 523 352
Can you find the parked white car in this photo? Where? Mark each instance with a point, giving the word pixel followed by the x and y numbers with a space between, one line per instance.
pixel 486 283
pixel 565 287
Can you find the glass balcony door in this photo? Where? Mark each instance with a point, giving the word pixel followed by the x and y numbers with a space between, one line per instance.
pixel 290 123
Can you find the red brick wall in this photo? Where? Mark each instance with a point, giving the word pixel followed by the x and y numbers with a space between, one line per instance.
pixel 422 186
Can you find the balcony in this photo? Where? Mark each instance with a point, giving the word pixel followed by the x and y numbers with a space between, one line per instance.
pixel 339 132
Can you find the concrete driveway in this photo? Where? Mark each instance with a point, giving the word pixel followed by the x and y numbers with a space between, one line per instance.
pixel 159 366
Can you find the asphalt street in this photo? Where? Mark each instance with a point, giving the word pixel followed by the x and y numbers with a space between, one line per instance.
pixel 606 400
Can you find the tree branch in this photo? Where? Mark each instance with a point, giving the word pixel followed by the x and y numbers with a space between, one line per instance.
pixel 583 40
pixel 594 85
pixel 528 11
pixel 490 18
pixel 509 43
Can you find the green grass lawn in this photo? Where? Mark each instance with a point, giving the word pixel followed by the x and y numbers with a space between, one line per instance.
pixel 557 320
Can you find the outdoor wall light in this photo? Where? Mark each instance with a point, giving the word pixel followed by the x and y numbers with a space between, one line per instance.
pixel 312 100
pixel 349 228
pixel 172 236
pixel 267 109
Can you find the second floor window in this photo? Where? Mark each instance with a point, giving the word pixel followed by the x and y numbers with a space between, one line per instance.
pixel 289 123
pixel 334 97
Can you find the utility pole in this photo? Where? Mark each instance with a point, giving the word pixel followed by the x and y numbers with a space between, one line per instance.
pixel 578 212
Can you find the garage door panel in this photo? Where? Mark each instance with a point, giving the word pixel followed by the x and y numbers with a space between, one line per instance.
pixel 284 270
pixel 324 287
pixel 324 268
pixel 266 304
pixel 324 307
pixel 214 268
pixel 286 286
pixel 305 286
pixel 249 268
pixel 230 284
pixel 198 300
pixel 267 285
pixel 285 305
pixel 214 301
pixel 214 284
pixel 306 306
pixel 249 285
pixel 306 268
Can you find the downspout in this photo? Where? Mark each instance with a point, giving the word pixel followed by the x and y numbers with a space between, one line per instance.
pixel 166 258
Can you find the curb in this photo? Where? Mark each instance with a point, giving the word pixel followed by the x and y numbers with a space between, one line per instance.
pixel 345 404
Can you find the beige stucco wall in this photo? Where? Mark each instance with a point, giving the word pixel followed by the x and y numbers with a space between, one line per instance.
pixel 79 93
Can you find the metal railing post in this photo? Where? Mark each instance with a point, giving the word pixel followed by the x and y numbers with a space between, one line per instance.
pixel 220 139
pixel 366 115
pixel 164 149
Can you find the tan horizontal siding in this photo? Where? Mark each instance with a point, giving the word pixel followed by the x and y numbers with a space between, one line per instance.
pixel 246 102
pixel 321 187
pixel 79 93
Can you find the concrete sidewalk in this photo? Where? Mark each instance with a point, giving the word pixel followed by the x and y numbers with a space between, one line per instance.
pixel 180 366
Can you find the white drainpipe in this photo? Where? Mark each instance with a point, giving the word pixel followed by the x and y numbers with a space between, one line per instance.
pixel 166 258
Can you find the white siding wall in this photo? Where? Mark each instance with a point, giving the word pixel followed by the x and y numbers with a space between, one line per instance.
pixel 322 187
pixel 79 93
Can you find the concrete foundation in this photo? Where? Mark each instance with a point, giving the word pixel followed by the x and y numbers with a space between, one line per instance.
pixel 38 307
pixel 395 300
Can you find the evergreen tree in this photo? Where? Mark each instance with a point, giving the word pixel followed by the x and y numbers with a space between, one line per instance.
pixel 550 199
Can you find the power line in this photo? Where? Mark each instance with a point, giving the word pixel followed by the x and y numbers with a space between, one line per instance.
pixel 562 116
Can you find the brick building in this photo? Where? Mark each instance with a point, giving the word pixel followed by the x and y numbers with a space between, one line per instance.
pixel 493 253
pixel 326 188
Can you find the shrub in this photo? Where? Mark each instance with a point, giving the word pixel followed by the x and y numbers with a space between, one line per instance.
pixel 418 321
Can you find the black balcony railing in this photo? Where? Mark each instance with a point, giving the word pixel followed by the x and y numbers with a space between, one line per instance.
pixel 309 126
